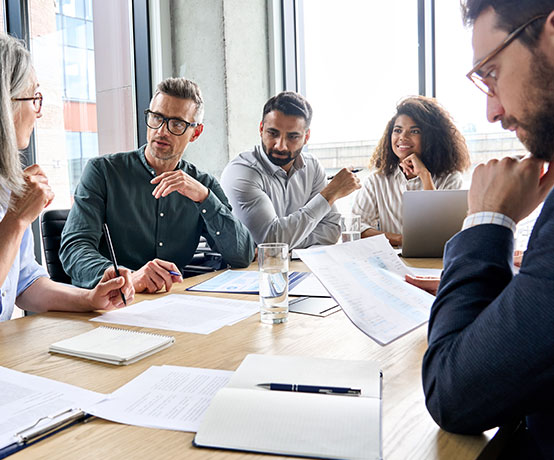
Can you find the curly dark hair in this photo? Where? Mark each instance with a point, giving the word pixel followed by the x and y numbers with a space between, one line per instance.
pixel 443 147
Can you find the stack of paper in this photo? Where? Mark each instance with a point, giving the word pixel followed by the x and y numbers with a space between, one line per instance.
pixel 30 403
pixel 184 313
pixel 167 397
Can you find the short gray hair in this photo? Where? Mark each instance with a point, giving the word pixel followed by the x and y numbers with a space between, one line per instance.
pixel 185 89
pixel 16 69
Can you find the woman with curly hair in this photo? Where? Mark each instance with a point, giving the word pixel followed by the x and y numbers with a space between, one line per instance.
pixel 421 149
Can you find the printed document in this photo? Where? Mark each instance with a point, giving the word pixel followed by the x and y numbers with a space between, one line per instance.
pixel 184 313
pixel 27 399
pixel 167 397
pixel 366 278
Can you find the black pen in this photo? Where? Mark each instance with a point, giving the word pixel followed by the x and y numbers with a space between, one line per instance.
pixel 355 170
pixel 311 389
pixel 112 257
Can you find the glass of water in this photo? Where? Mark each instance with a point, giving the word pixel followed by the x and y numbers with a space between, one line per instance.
pixel 273 262
pixel 350 228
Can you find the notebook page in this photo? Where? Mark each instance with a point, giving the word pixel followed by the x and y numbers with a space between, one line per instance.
pixel 257 369
pixel 290 423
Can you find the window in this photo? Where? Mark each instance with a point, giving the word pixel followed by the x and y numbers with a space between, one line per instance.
pixel 359 60
pixel 64 49
pixel 465 102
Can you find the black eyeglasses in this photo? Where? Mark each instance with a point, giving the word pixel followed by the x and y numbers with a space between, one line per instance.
pixel 486 83
pixel 37 101
pixel 176 126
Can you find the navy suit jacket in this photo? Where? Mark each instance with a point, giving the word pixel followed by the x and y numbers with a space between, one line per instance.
pixel 490 359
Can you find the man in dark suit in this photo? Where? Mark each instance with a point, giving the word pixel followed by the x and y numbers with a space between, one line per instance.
pixel 490 360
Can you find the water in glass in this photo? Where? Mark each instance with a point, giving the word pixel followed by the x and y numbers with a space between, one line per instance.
pixel 274 298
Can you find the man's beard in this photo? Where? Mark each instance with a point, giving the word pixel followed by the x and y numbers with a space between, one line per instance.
pixel 290 156
pixel 537 120
pixel 168 155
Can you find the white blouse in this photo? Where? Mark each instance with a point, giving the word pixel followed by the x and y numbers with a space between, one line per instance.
pixel 379 202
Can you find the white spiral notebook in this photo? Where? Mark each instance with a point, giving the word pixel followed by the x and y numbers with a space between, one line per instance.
pixel 112 345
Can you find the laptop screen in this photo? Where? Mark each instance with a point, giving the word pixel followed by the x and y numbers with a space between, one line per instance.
pixel 430 219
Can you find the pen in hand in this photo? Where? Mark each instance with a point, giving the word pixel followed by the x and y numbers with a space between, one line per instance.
pixel 354 170
pixel 112 257
pixel 311 389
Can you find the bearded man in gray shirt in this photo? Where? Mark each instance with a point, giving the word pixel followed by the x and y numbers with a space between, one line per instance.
pixel 279 192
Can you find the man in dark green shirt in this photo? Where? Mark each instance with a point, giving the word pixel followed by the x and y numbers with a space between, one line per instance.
pixel 156 205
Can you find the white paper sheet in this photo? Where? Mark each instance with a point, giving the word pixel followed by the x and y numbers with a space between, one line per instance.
pixel 26 398
pixel 241 282
pixel 167 397
pixel 310 286
pixel 366 278
pixel 185 313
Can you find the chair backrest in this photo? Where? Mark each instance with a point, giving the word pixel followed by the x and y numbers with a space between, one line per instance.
pixel 51 226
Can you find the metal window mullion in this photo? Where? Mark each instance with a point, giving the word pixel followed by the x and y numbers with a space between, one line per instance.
pixel 421 45
pixel 426 47
pixel 143 77
pixel 290 34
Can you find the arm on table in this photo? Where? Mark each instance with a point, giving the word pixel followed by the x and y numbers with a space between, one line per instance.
pixel 47 295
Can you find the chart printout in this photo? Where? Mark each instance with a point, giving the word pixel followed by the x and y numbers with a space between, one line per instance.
pixel 366 278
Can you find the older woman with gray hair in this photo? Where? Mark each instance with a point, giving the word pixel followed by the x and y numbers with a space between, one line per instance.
pixel 24 193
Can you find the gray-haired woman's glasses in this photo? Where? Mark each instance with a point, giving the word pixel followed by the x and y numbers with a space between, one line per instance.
pixel 37 101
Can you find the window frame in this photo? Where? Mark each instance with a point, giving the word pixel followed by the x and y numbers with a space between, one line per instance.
pixel 17 25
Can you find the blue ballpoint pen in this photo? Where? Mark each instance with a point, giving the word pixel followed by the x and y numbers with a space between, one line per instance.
pixel 311 389
pixel 174 273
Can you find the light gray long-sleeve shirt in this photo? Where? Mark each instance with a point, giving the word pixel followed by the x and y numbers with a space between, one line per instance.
pixel 281 207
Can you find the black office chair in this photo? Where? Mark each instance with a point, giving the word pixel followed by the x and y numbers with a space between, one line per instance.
pixel 204 260
pixel 51 226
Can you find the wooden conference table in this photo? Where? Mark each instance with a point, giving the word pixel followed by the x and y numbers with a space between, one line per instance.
pixel 408 430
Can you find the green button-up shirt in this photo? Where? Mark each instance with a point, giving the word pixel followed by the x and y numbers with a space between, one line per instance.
pixel 116 189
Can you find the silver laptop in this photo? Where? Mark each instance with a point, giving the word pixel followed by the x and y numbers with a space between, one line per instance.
pixel 430 219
